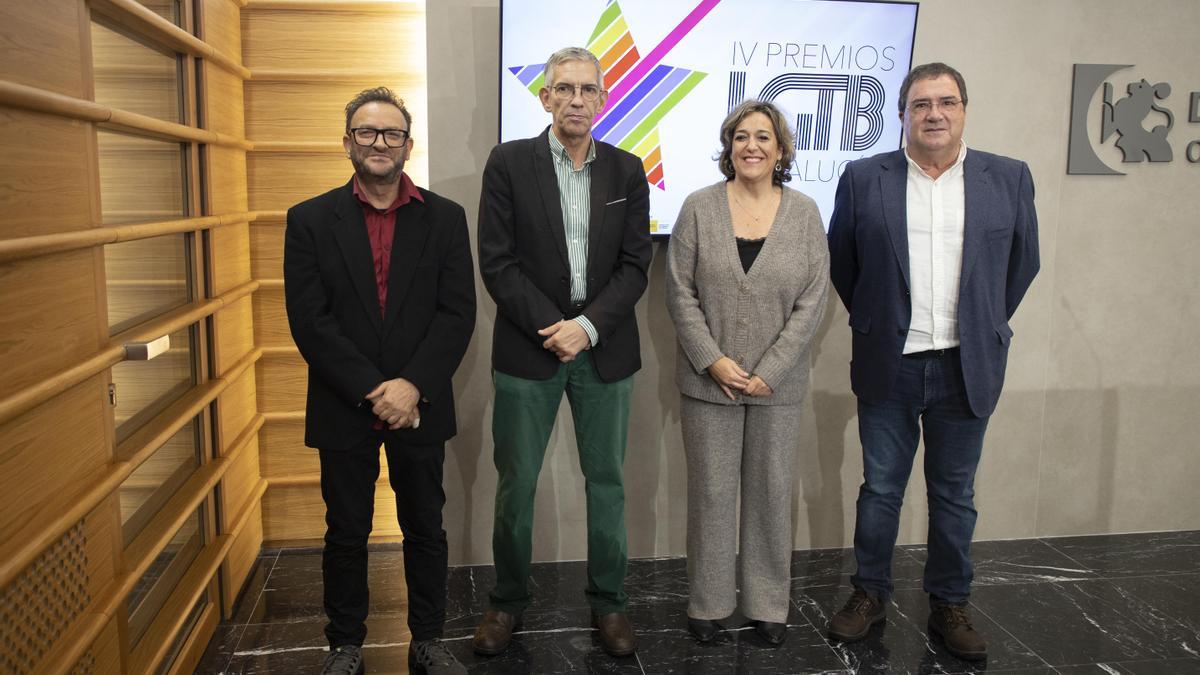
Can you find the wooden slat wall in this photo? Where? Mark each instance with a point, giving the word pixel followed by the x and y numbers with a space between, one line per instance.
pixel 307 60
pixel 233 330
pixel 51 313
pixel 61 468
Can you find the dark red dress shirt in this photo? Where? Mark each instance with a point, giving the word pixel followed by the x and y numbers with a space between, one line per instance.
pixel 381 229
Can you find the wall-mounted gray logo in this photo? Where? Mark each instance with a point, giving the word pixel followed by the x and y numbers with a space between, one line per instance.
pixel 1126 117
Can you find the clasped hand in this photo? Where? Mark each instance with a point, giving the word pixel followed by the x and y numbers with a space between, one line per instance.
pixel 566 338
pixel 730 377
pixel 395 403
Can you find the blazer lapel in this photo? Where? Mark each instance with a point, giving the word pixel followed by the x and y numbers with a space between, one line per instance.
pixel 599 195
pixel 976 183
pixel 893 186
pixel 408 243
pixel 350 232
pixel 547 182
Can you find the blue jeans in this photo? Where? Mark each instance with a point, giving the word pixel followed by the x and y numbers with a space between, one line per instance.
pixel 929 394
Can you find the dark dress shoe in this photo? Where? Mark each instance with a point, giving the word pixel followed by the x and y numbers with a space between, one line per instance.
pixel 703 630
pixel 616 633
pixel 773 633
pixel 495 632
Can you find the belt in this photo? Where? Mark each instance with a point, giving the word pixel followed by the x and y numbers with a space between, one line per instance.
pixel 933 354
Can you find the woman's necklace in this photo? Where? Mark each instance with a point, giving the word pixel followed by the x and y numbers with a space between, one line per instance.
pixel 753 216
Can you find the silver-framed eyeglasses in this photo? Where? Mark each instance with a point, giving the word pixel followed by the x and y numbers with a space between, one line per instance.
pixel 566 92
pixel 393 138
pixel 924 106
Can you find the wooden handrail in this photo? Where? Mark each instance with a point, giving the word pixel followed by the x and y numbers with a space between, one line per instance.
pixel 29 397
pixel 338 5
pixel 136 16
pixel 281 351
pixel 325 147
pixel 89 626
pixel 45 244
pixel 327 75
pixel 52 103
pixel 284 416
pixel 29 541
pixel 295 480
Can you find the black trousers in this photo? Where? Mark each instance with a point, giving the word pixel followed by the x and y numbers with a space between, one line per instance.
pixel 348 486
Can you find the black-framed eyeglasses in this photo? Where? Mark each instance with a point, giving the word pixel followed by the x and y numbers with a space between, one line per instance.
pixel 393 138
pixel 566 92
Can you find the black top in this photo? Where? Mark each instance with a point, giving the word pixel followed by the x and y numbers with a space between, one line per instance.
pixel 748 251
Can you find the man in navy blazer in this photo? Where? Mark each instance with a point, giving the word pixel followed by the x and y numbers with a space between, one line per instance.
pixel 931 248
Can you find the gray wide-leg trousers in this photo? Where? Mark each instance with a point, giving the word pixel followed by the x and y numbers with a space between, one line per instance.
pixel 754 447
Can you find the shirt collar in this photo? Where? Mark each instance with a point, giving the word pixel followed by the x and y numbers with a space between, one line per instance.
pixel 408 192
pixel 962 154
pixel 557 149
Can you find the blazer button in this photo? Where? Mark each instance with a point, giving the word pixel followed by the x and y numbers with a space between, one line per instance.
pixel 562 280
pixel 901 331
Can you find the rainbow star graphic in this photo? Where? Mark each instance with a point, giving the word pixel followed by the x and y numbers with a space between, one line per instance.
pixel 641 91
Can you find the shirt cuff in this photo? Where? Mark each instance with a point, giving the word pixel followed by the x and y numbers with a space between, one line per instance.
pixel 588 328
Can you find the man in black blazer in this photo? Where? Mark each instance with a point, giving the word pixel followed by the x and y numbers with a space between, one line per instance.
pixel 931 250
pixel 564 245
pixel 381 303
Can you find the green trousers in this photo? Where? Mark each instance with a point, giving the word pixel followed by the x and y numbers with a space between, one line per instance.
pixel 522 420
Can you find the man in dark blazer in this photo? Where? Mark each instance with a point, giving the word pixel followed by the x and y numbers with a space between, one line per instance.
pixel 381 303
pixel 564 245
pixel 931 249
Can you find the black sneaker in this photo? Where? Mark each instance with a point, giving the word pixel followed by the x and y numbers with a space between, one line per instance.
pixel 344 660
pixel 432 657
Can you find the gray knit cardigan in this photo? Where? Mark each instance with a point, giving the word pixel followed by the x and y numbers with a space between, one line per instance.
pixel 764 320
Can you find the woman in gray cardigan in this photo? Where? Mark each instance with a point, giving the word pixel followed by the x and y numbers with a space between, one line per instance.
pixel 747 277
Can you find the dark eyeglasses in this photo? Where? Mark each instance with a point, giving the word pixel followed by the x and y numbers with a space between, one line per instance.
pixel 393 138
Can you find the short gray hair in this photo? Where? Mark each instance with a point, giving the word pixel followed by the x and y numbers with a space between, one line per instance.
pixel 573 54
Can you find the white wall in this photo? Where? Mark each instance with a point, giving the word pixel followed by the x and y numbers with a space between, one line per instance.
pixel 1092 433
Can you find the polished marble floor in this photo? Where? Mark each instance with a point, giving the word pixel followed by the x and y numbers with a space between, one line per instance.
pixel 1120 604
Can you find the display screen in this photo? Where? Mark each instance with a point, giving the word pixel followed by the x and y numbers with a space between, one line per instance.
pixel 674 69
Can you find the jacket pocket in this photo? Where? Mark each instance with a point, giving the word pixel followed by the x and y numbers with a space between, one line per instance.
pixel 1004 333
pixel 999 233
pixel 860 323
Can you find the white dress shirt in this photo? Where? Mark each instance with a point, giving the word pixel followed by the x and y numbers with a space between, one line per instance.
pixel 935 243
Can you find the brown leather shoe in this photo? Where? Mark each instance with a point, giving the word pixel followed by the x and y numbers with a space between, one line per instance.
pixel 953 625
pixel 852 622
pixel 495 632
pixel 616 633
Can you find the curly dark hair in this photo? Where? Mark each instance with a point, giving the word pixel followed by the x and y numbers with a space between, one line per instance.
pixel 783 135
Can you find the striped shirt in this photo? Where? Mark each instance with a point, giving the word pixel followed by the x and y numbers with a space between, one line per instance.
pixel 574 195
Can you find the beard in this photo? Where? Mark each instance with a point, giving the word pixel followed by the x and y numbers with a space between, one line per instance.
pixel 368 175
